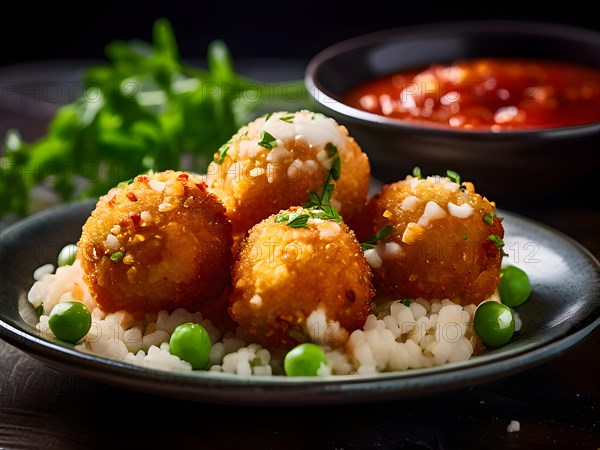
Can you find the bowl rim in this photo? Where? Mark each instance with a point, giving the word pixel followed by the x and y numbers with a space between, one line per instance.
pixel 325 97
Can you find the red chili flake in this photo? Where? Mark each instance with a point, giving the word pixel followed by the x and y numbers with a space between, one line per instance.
pixel 136 219
pixel 183 177
pixel 202 186
pixel 131 196
pixel 112 200
pixel 142 179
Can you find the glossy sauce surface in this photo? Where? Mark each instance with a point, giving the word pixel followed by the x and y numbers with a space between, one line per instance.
pixel 486 94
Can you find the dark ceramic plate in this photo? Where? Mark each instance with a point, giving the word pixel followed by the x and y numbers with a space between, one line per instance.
pixel 564 308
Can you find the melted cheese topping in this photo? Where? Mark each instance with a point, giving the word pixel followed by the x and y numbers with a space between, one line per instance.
pixel 314 129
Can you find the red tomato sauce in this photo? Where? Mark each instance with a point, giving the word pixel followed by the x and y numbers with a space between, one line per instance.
pixel 486 94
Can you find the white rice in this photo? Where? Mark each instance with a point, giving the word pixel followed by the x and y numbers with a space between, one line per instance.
pixel 514 426
pixel 398 335
pixel 401 337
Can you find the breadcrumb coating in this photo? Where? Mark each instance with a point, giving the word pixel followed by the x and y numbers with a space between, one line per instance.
pixel 161 242
pixel 442 243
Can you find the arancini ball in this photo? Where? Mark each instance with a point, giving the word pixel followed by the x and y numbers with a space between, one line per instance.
pixel 300 278
pixel 276 161
pixel 161 242
pixel 445 240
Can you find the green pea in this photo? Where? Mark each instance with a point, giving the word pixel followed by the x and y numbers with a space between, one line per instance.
pixel 494 323
pixel 304 360
pixel 70 321
pixel 191 342
pixel 514 287
pixel 67 255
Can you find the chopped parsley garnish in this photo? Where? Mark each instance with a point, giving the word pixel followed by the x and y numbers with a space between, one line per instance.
pixel 319 207
pixel 325 212
pixel 267 140
pixel 298 335
pixel 489 218
pixel 296 220
pixel 116 256
pixel 417 172
pixel 336 168
pixel 465 237
pixel 371 242
pixel 454 176
pixel 293 220
pixel 222 152
pixel 406 302
pixel 331 149
pixel 268 116
pixel 300 221
pixel 39 310
pixel 498 242
pixel 281 218
pixel 289 118
pixel 122 184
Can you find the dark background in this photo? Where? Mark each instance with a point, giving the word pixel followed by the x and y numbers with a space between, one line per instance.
pixel 281 28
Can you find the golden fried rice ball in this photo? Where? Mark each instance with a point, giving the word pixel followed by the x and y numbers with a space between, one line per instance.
pixel 161 242
pixel 274 162
pixel 444 242
pixel 294 284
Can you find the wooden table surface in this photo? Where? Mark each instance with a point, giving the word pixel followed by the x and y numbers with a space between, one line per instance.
pixel 557 403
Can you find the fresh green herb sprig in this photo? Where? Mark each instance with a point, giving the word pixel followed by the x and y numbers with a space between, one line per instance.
pixel 222 152
pixel 334 174
pixel 300 220
pixel 267 140
pixel 293 220
pixel 372 241
pixel 146 109
pixel 318 206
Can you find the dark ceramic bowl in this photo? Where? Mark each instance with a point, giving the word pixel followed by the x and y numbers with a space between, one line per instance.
pixel 528 165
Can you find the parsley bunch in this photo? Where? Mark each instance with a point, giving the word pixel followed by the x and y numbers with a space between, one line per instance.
pixel 145 110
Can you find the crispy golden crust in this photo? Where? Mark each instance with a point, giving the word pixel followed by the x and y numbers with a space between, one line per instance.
pixel 283 274
pixel 438 257
pixel 252 184
pixel 352 188
pixel 161 242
